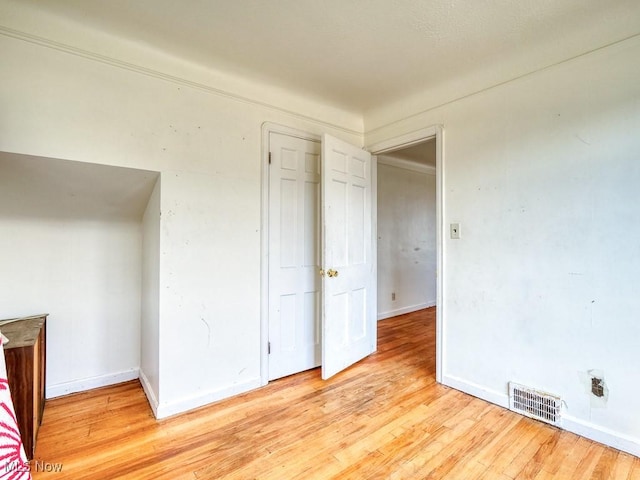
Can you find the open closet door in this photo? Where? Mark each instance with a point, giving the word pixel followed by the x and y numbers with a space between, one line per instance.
pixel 349 277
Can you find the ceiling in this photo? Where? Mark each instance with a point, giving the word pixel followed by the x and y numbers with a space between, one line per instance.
pixel 56 189
pixel 423 153
pixel 358 54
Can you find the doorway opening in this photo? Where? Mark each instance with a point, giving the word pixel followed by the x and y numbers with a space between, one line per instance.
pixel 318 253
pixel 349 161
pixel 407 259
pixel 408 151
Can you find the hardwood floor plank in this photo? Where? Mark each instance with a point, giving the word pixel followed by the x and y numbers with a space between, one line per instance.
pixel 535 464
pixel 634 474
pixel 500 424
pixel 574 458
pixel 466 470
pixel 516 468
pixel 510 446
pixel 604 468
pixel 384 418
pixel 586 467
pixel 623 466
pixel 557 455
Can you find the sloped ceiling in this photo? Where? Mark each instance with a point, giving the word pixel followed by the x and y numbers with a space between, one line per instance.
pixel 53 189
pixel 423 153
pixel 358 54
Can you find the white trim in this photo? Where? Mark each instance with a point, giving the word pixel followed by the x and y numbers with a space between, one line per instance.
pixel 407 165
pixel 165 410
pixel 402 311
pixel 440 246
pixel 148 391
pixel 404 141
pixel 602 435
pixel 374 243
pixel 498 398
pixel 132 67
pixel 271 127
pixel 75 386
pixel 571 424
pixel 267 129
pixel 407 140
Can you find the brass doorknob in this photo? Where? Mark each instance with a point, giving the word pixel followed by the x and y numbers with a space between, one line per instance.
pixel 332 273
pixel 321 272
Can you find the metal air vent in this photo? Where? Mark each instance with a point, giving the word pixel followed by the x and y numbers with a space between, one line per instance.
pixel 535 404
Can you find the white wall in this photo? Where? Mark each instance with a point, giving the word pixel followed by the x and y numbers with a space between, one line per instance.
pixel 406 239
pixel 71 247
pixel 208 149
pixel 542 174
pixel 150 301
pixel 86 275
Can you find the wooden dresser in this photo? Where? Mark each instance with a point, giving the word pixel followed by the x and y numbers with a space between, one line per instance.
pixel 25 355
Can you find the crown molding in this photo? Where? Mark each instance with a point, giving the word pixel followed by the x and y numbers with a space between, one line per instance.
pixel 139 69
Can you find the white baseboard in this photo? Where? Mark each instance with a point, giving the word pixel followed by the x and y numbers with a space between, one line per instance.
pixel 150 394
pixel 492 396
pixel 403 310
pixel 60 389
pixel 602 435
pixel 159 410
pixel 164 410
pixel 579 427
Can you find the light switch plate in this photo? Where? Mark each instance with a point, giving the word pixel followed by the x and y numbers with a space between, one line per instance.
pixel 455 231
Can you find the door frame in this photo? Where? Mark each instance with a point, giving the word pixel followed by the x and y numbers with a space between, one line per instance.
pixel 408 140
pixel 267 129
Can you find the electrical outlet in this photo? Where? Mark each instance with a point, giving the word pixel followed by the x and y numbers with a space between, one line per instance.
pixel 455 231
pixel 393 297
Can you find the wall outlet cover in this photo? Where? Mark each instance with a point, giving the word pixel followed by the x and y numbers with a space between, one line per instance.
pixel 455 231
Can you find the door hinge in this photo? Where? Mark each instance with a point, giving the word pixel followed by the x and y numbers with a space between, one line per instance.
pixel 269 348
pixel 269 158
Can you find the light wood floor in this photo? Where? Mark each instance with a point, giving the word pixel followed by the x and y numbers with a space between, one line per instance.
pixel 384 418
